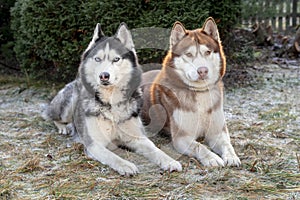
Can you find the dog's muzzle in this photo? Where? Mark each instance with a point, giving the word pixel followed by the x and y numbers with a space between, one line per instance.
pixel 104 78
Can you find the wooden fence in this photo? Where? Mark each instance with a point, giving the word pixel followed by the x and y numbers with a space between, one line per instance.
pixel 281 14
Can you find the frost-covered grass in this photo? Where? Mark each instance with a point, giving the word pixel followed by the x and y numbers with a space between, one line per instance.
pixel 264 122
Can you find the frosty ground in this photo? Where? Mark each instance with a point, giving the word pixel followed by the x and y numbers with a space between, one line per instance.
pixel 263 119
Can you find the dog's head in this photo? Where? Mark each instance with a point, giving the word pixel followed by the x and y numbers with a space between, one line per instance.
pixel 110 61
pixel 196 55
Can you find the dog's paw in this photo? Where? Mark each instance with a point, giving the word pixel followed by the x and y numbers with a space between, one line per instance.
pixel 231 160
pixel 127 168
pixel 62 128
pixel 212 160
pixel 171 165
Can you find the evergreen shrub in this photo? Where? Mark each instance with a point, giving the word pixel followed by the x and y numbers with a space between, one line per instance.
pixel 7 56
pixel 51 35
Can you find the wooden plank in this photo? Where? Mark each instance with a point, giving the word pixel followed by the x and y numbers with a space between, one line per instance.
pixel 288 14
pixel 280 11
pixel 294 14
pixel 267 6
pixel 274 18
pixel 280 14
pixel 273 21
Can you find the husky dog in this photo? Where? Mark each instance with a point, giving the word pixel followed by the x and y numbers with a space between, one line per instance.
pixel 103 104
pixel 186 96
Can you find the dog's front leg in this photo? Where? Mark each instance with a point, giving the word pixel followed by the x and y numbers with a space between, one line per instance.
pixel 220 143
pixel 185 142
pixel 97 136
pixel 189 146
pixel 133 135
pixel 105 156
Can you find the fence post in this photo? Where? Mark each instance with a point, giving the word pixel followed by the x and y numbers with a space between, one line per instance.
pixel 294 14
pixel 288 15
pixel 280 15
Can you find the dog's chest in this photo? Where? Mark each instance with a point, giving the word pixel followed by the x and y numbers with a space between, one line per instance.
pixel 201 114
pixel 119 112
pixel 104 125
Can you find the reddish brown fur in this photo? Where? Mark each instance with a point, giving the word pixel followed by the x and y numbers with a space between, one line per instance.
pixel 201 106
pixel 200 37
pixel 161 90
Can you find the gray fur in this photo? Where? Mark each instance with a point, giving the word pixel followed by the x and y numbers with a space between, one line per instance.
pixel 62 106
pixel 102 113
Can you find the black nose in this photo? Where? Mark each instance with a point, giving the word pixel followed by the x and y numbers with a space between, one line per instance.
pixel 104 76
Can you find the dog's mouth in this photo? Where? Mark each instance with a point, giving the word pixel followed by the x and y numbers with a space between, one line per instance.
pixel 194 77
pixel 202 78
pixel 105 83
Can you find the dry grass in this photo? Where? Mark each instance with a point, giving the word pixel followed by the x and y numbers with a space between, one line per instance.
pixel 38 163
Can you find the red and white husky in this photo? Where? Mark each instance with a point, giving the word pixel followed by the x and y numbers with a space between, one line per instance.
pixel 186 96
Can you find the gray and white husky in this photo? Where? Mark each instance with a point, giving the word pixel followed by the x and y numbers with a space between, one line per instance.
pixel 102 104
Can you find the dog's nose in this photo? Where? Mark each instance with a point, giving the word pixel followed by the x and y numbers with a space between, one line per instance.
pixel 202 71
pixel 104 76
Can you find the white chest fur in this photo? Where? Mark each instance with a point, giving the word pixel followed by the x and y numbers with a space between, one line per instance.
pixel 119 112
pixel 205 115
pixel 101 130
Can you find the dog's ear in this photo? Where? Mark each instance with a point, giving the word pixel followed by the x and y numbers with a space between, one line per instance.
pixel 98 34
pixel 210 28
pixel 177 33
pixel 124 35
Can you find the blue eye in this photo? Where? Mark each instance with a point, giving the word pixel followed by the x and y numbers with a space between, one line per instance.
pixel 116 59
pixel 97 59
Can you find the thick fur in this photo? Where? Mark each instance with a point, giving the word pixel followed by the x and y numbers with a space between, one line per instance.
pixel 62 106
pixel 103 104
pixel 186 96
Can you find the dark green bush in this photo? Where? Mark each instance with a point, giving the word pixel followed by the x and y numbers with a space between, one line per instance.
pixel 227 13
pixel 51 35
pixel 5 32
pixel 7 56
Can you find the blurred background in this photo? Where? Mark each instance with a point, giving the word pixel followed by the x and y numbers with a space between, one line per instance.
pixel 43 40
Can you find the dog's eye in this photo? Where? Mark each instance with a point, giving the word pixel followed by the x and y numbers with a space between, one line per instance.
pixel 208 52
pixel 97 59
pixel 116 59
pixel 189 55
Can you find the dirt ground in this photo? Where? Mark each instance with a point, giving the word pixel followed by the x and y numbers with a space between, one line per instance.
pixel 263 119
